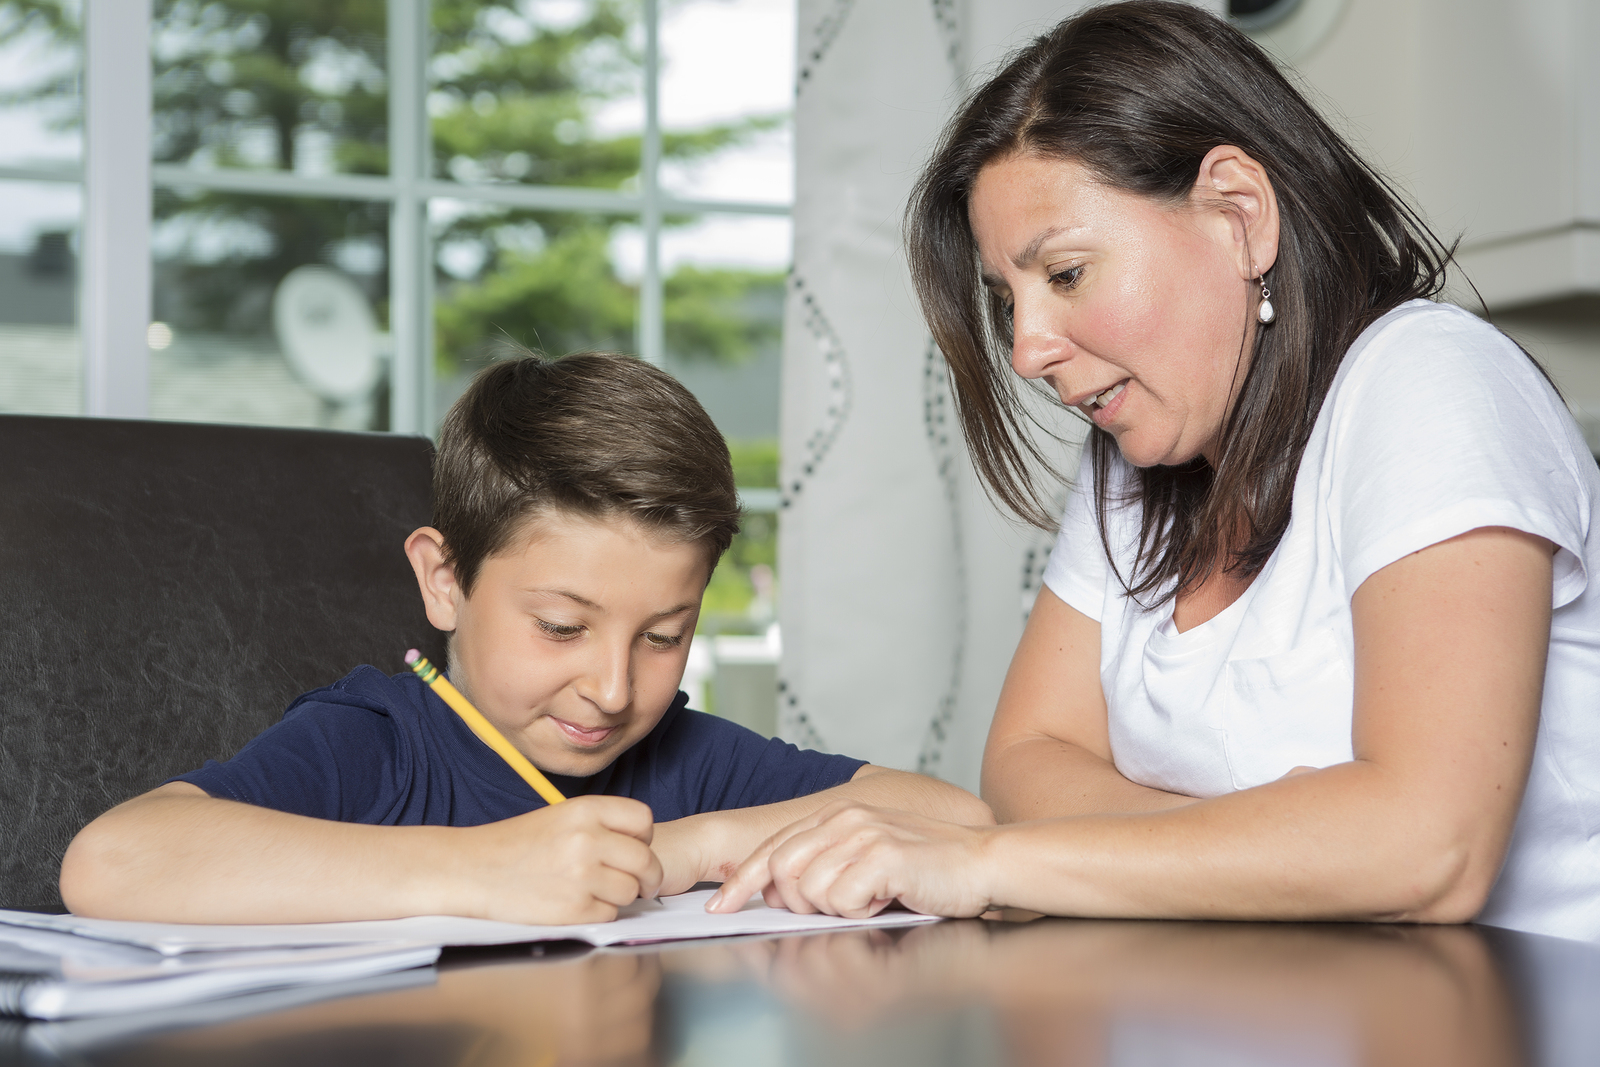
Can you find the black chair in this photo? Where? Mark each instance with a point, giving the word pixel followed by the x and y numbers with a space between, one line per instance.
pixel 166 589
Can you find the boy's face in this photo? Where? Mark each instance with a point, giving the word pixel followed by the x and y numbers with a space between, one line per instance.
pixel 573 640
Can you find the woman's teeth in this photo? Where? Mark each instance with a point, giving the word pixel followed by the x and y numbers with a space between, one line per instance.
pixel 1108 396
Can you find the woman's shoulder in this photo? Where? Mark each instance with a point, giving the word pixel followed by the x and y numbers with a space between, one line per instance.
pixel 1437 370
pixel 1437 346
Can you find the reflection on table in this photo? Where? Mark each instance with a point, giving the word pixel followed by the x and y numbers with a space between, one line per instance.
pixel 1051 992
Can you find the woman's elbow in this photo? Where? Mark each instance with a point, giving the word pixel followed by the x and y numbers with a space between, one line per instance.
pixel 1451 884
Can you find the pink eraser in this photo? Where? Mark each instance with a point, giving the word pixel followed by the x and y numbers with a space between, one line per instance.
pixel 412 655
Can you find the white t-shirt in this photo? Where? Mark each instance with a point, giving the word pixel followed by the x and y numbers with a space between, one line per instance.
pixel 1436 424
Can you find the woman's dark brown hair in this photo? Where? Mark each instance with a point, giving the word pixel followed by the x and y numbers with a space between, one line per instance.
pixel 592 434
pixel 1138 93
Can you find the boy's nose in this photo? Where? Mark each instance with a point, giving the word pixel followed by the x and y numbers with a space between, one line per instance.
pixel 608 683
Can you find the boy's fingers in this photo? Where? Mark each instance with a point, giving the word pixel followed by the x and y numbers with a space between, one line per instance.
pixel 614 887
pixel 632 859
pixel 622 814
pixel 652 877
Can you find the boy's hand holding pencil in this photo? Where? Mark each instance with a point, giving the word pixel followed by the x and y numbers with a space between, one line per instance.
pixel 648 886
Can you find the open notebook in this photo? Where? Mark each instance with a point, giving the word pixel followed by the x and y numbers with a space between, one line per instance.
pixel 60 966
pixel 674 919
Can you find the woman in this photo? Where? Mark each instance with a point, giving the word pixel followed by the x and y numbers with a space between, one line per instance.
pixel 1318 624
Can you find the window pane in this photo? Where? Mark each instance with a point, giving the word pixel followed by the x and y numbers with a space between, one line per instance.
pixel 270 310
pixel 537 91
pixel 724 290
pixel 546 280
pixel 41 362
pixel 717 143
pixel 274 85
pixel 41 59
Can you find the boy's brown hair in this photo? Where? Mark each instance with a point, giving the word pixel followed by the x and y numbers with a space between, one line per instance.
pixel 593 434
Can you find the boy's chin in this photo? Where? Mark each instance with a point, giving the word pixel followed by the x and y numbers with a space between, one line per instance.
pixel 572 762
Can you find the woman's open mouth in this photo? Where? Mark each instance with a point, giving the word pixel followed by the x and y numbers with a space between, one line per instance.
pixel 1103 407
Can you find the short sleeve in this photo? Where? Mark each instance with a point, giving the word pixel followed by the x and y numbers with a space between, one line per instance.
pixel 1445 426
pixel 703 763
pixel 294 765
pixel 1077 571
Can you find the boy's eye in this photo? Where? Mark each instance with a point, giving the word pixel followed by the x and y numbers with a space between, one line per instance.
pixel 558 631
pixel 663 641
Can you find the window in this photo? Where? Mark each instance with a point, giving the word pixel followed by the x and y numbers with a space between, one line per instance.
pixel 434 180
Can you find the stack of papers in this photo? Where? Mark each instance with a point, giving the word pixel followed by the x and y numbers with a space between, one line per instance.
pixel 65 966
pixel 49 974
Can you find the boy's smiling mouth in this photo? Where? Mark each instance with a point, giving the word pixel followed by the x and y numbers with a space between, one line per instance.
pixel 587 736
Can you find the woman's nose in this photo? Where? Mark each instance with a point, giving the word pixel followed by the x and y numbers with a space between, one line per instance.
pixel 1035 343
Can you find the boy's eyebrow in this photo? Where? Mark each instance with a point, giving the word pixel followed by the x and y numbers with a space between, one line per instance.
pixel 586 602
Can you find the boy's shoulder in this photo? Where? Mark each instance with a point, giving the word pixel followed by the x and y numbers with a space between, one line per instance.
pixel 369 688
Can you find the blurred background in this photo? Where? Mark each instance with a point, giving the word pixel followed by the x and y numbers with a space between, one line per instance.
pixel 582 174
pixel 352 205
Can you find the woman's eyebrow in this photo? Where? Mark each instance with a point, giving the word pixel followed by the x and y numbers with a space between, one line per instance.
pixel 1025 257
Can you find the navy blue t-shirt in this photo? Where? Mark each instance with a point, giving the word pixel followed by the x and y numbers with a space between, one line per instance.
pixel 387 751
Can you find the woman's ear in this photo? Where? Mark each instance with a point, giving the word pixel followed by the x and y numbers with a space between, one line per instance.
pixel 1249 204
pixel 436 576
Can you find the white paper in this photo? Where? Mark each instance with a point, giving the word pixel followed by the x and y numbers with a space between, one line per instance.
pixel 674 919
pixel 72 1038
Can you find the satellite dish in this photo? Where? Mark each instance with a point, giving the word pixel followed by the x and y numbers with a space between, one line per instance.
pixel 328 334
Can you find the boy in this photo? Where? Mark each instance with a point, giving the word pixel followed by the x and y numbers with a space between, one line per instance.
pixel 580 506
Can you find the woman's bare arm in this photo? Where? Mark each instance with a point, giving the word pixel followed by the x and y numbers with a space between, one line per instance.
pixel 1450 654
pixel 710 846
pixel 1049 749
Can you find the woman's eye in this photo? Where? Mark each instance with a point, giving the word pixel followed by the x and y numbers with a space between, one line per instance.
pixel 1067 278
pixel 663 641
pixel 559 631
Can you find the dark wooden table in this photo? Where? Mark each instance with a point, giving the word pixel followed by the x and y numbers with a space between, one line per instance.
pixel 1047 992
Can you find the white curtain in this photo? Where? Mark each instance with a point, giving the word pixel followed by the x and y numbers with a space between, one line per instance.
pixel 904 589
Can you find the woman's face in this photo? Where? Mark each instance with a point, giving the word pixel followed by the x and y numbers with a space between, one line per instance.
pixel 1137 314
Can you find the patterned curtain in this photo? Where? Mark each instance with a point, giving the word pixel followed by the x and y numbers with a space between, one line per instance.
pixel 904 589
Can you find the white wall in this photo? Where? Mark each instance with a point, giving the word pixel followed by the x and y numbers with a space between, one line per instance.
pixel 1488 113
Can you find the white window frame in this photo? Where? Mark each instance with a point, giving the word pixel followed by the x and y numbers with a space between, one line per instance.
pixel 118 179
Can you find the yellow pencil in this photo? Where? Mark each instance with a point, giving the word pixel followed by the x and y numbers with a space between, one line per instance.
pixel 482 727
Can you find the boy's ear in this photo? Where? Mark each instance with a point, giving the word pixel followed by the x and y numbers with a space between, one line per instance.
pixel 436 576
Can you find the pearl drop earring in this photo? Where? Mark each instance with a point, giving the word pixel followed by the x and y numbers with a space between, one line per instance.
pixel 1265 312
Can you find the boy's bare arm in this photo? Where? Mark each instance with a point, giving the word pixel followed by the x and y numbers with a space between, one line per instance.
pixel 710 846
pixel 176 854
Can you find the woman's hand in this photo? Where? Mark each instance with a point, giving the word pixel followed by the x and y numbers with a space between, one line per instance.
pixel 854 861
